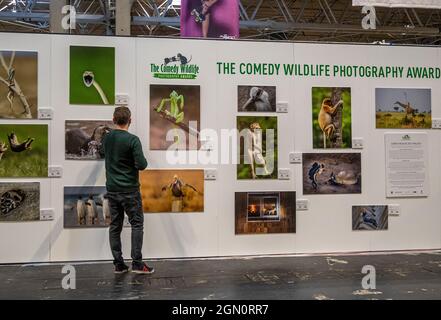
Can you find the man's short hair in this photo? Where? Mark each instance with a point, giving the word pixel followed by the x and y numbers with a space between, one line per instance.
pixel 121 116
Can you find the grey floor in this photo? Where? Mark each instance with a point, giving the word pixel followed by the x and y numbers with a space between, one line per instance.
pixel 398 276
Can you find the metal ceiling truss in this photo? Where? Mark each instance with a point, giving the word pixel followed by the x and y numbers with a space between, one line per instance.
pixel 311 20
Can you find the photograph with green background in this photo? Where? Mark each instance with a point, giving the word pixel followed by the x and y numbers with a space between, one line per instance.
pixel 244 170
pixel 318 95
pixel 92 75
pixel 33 160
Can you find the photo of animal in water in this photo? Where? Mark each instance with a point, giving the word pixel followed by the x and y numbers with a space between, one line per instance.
pixel 258 148
pixel 172 191
pixel 92 75
pixel 174 111
pixel 331 173
pixel 403 108
pixel 19 201
pixel 84 139
pixel 23 150
pixel 370 217
pixel 18 84
pixel 265 212
pixel 86 207
pixel 331 118
pixel 256 99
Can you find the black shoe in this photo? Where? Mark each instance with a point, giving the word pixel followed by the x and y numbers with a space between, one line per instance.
pixel 121 268
pixel 142 269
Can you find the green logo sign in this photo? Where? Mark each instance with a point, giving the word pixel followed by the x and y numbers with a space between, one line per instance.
pixel 177 67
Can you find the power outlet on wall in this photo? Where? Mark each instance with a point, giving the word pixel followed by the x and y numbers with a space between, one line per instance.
pixel 122 99
pixel 295 157
pixel 436 123
pixel 284 174
pixel 282 107
pixel 210 174
pixel 394 209
pixel 45 113
pixel 357 143
pixel 55 171
pixel 46 214
pixel 302 204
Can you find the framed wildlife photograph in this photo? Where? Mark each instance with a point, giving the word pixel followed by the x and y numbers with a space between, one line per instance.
pixel 84 139
pixel 258 148
pixel 86 207
pixel 210 18
pixel 174 111
pixel 331 173
pixel 92 75
pixel 172 191
pixel 265 212
pixel 397 108
pixel 18 84
pixel 331 118
pixel 370 217
pixel 23 150
pixel 19 201
pixel 256 99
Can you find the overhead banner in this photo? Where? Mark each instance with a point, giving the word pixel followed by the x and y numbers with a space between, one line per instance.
pixel 428 4
pixel 210 18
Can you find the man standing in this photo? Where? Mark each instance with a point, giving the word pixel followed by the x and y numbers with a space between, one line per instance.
pixel 124 158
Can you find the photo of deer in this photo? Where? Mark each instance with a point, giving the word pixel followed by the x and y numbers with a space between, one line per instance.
pixel 84 139
pixel 403 108
pixel 256 99
pixel 18 84
pixel 19 201
pixel 370 217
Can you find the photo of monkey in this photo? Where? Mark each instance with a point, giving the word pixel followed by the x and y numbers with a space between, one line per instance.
pixel 174 112
pixel 331 118
pixel 172 191
pixel 258 148
pixel 331 173
pixel 84 139
pixel 370 217
pixel 256 99
pixel 18 84
pixel 265 212
pixel 403 108
pixel 19 201
pixel 86 207
pixel 23 150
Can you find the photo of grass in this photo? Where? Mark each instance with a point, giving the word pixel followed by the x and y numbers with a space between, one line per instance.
pixel 172 107
pixel 92 75
pixel 23 150
pixel 265 212
pixel 18 84
pixel 84 139
pixel 331 173
pixel 19 201
pixel 370 217
pixel 403 108
pixel 331 118
pixel 256 99
pixel 86 207
pixel 258 148
pixel 172 190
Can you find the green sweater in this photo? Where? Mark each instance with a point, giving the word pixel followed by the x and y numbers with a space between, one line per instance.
pixel 124 158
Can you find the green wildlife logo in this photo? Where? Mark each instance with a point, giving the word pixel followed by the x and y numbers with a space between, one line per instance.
pixel 175 67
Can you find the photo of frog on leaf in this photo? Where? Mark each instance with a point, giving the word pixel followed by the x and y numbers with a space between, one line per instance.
pixel 172 108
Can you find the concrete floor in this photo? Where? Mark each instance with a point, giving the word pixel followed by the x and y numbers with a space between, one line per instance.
pixel 399 276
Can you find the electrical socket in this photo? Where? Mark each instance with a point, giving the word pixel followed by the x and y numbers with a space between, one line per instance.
pixel 122 99
pixel 302 204
pixel 46 214
pixel 284 174
pixel 295 157
pixel 357 143
pixel 55 171
pixel 394 209
pixel 282 107
pixel 45 113
pixel 210 174
pixel 436 123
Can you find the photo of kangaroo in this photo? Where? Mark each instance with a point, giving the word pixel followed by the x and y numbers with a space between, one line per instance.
pixel 23 150
pixel 403 108
pixel 84 139
pixel 370 217
pixel 256 99
pixel 86 207
pixel 19 201
pixel 18 84
pixel 331 173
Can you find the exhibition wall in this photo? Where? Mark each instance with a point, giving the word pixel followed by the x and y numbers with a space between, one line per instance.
pixel 327 225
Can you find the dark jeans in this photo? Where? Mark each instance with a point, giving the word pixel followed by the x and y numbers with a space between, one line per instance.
pixel 131 204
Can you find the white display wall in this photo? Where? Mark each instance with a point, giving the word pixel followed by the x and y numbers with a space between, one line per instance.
pixel 324 228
